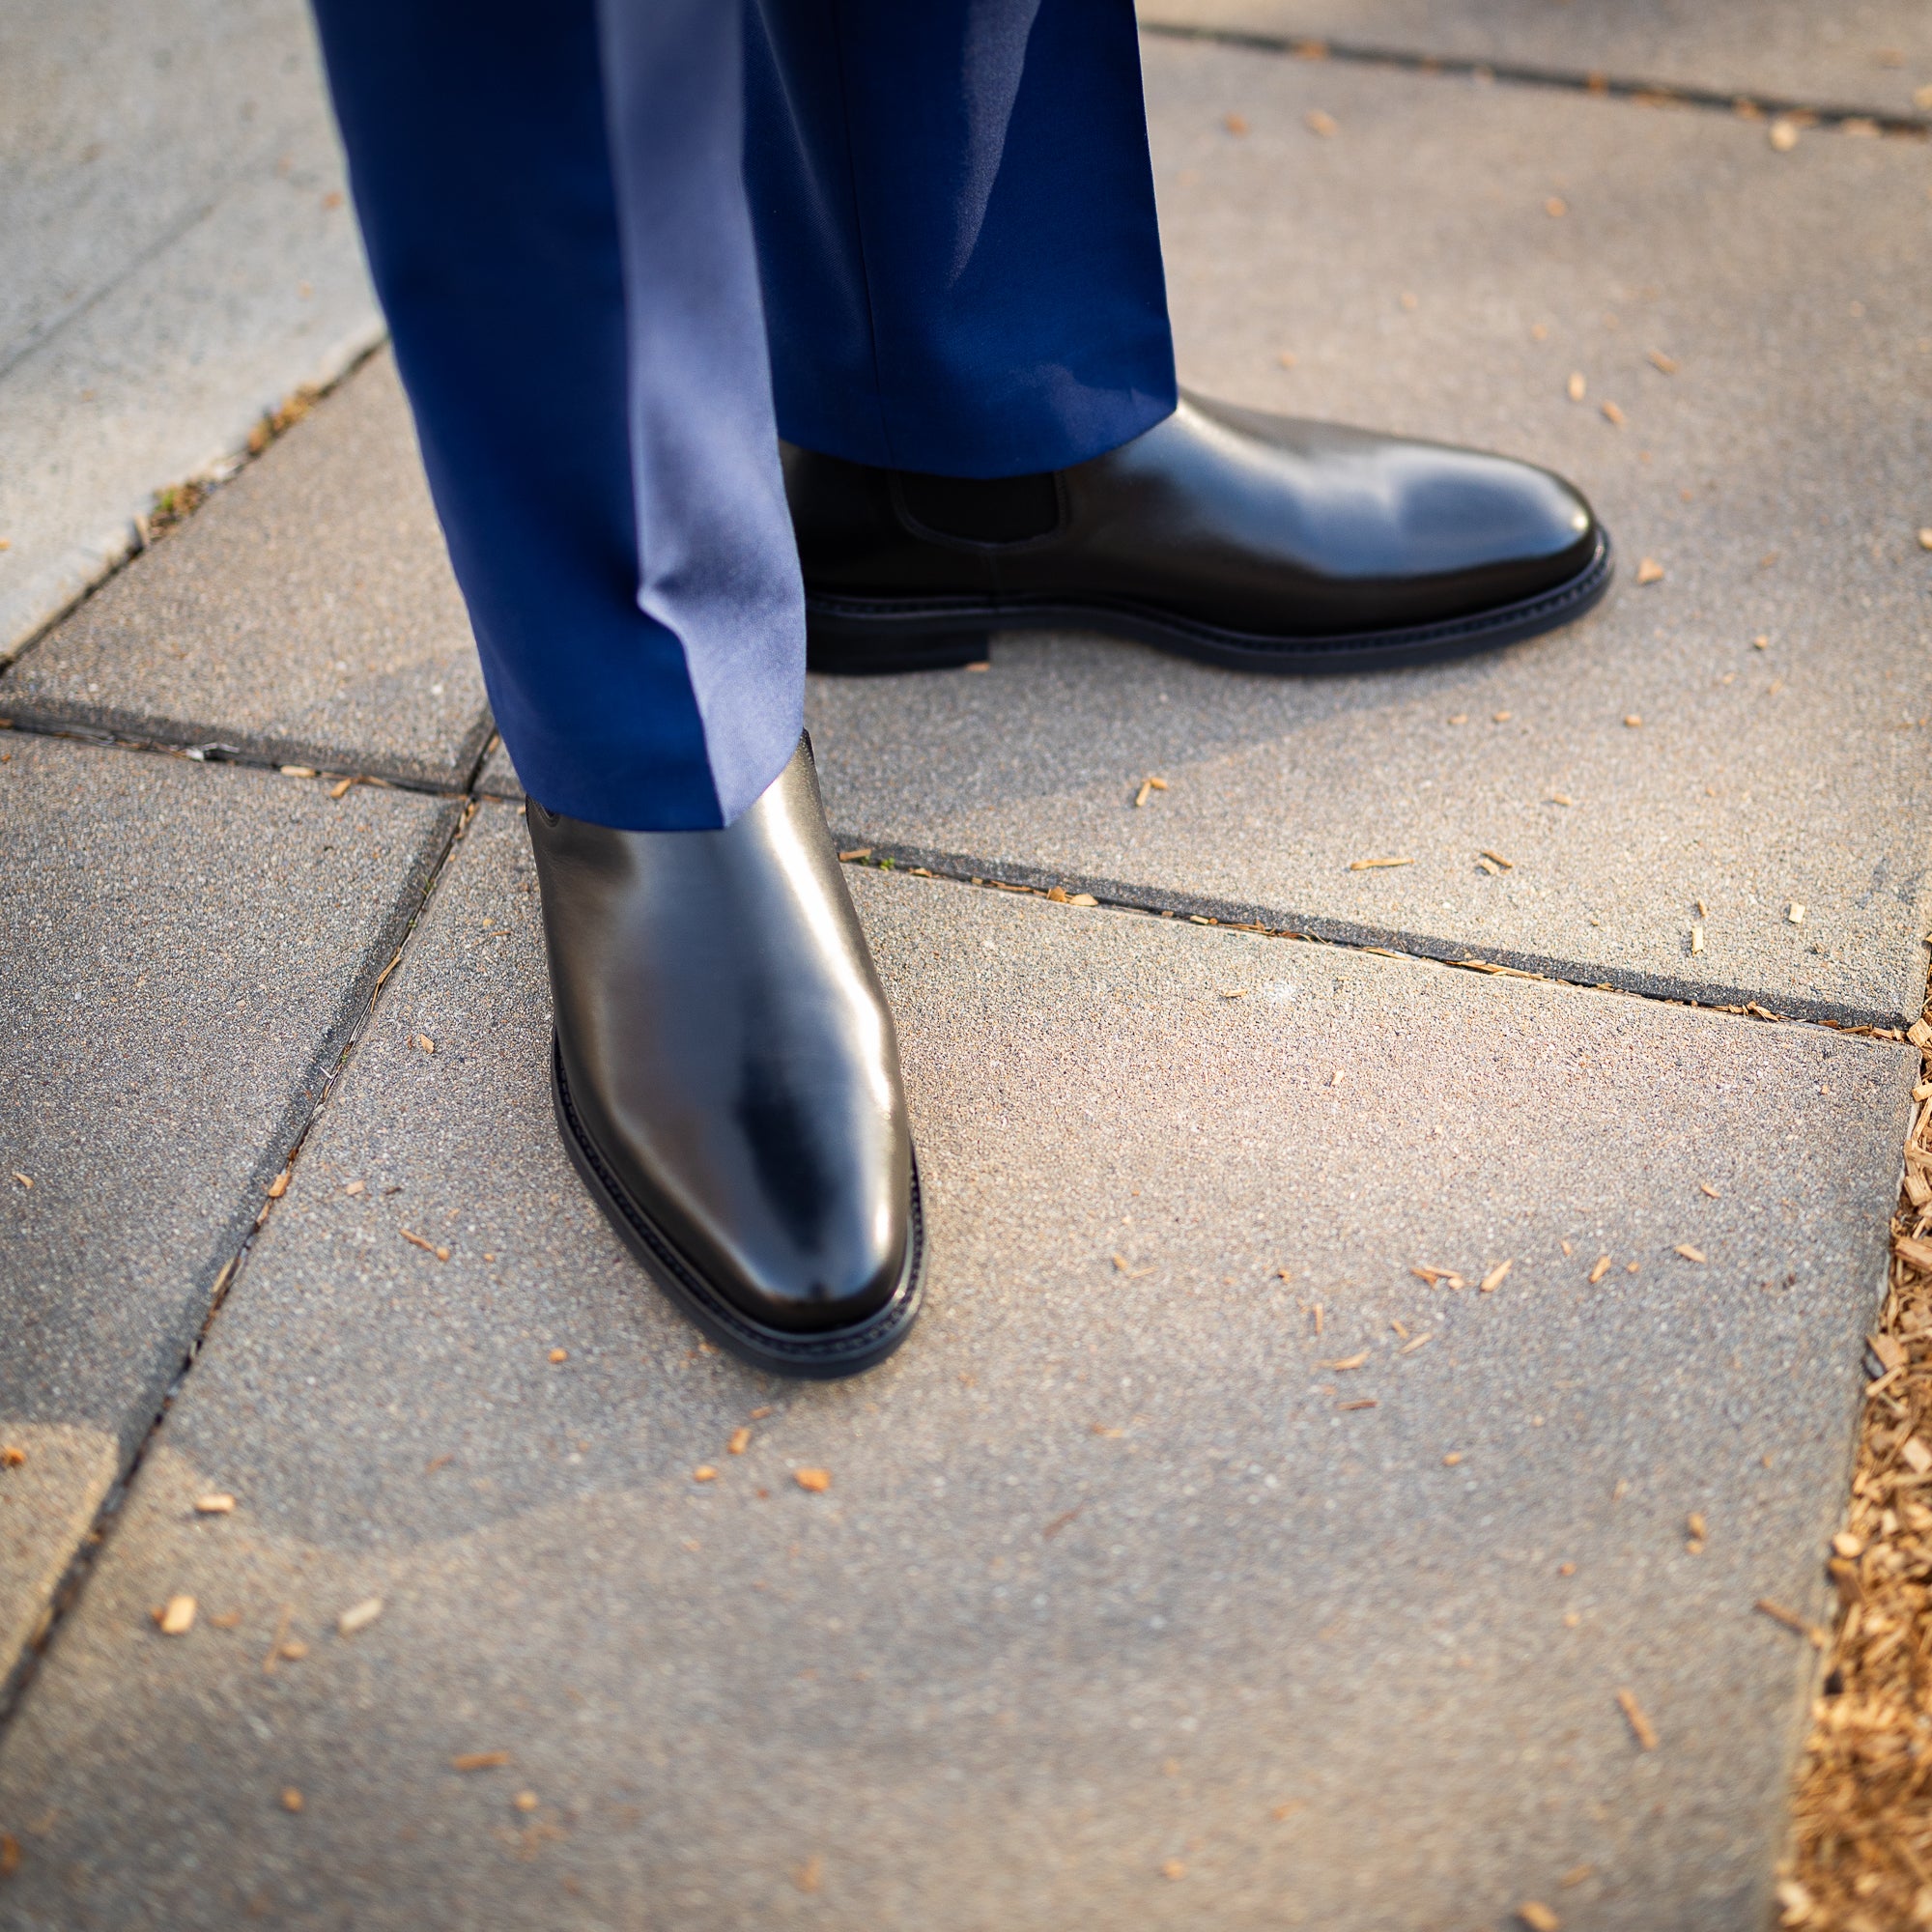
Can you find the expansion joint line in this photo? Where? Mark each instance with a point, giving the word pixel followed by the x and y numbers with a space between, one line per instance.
pixel 1747 103
pixel 66 1591
pixel 1153 902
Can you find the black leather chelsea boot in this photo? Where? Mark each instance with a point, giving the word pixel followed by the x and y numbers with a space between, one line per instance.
pixel 726 1077
pixel 1246 539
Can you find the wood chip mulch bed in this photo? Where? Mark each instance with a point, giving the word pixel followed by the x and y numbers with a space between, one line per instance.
pixel 1861 1843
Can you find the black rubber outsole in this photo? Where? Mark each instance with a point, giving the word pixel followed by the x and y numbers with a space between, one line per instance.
pixel 856 637
pixel 821 1357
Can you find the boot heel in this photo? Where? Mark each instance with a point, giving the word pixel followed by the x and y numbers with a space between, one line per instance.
pixel 842 654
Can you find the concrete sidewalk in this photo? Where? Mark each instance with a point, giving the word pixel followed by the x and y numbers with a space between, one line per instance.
pixel 179 258
pixel 1238 1542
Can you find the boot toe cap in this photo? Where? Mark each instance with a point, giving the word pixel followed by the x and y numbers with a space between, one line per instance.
pixel 838 1281
pixel 1492 515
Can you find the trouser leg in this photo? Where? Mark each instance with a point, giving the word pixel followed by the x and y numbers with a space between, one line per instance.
pixel 957 230
pixel 553 200
pixel 957 245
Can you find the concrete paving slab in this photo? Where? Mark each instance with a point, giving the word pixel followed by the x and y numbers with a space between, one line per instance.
pixel 306 614
pixel 1775 474
pixel 186 950
pixel 1124 1605
pixel 1872 56
pixel 118 126
pixel 175 258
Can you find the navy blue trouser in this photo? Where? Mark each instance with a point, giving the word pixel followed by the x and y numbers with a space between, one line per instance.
pixel 625 245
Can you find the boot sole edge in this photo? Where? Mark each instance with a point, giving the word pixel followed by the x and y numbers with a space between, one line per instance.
pixel 869 637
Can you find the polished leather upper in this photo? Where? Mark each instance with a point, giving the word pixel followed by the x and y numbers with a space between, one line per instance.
pixel 1231 518
pixel 727 1043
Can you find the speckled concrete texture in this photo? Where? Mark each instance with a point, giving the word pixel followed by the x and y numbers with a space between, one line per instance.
pixel 54 1477
pixel 1869 56
pixel 186 950
pixel 1777 476
pixel 305 615
pixel 498 778
pixel 177 256
pixel 1140 1594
